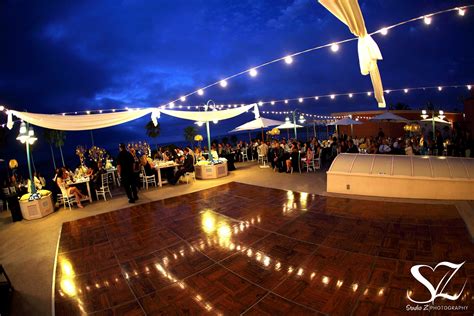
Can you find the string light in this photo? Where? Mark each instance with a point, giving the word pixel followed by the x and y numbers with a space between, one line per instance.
pixel 272 102
pixel 171 105
pixel 253 72
pixel 260 103
pixel 369 93
pixel 300 100
pixel 2 108
pixel 468 87
pixel 183 98
pixel 405 90
pixel 332 96
pixel 286 101
pixel 316 98
pixel 334 46
pixel 440 88
pixel 350 95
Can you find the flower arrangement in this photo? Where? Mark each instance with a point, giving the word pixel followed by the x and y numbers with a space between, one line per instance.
pixel 81 151
pixel 97 154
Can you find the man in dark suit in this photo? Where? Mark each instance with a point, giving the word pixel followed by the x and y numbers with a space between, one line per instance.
pixel 125 163
pixel 188 166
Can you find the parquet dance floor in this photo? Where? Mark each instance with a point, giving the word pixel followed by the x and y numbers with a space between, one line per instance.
pixel 239 248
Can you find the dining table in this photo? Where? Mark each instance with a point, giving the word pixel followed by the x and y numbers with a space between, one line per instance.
pixel 82 180
pixel 163 165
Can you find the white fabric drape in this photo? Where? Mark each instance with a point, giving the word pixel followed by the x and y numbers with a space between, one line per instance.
pixel 206 116
pixel 78 122
pixel 348 11
pixel 259 122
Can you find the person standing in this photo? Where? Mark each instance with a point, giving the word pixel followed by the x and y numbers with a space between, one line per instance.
pixel 125 162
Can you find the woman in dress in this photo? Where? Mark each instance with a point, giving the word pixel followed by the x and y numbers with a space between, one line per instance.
pixel 67 191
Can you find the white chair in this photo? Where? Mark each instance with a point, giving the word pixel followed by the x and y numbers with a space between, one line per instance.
pixel 104 189
pixel 308 164
pixel 189 175
pixel 64 199
pixel 317 161
pixel 261 157
pixel 6 192
pixel 148 179
pixel 244 155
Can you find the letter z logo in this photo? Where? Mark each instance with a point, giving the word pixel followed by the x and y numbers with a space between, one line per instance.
pixel 439 290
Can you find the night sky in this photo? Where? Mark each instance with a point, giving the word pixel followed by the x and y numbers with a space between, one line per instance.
pixel 61 56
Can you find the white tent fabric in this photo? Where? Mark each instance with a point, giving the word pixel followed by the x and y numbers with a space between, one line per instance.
pixel 96 121
pixel 345 121
pixel 260 122
pixel 207 116
pixel 288 125
pixel 348 11
pixel 78 122
pixel 437 120
pixel 389 116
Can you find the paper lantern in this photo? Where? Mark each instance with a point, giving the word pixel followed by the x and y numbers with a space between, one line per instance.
pixel 13 164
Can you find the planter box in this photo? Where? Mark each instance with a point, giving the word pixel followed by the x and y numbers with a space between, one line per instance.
pixel 37 208
pixel 211 171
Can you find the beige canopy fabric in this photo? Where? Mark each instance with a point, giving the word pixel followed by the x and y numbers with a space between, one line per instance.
pixel 348 11
pixel 78 122
pixel 207 116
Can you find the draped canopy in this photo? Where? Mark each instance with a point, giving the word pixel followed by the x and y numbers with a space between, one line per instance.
pixel 348 11
pixel 77 122
pixel 96 121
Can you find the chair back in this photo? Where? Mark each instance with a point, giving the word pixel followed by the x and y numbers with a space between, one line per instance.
pixel 105 179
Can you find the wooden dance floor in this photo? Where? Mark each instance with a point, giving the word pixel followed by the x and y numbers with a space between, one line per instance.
pixel 238 248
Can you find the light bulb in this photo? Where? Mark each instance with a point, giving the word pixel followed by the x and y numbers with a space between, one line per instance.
pixel 384 31
pixel 260 103
pixel 369 93
pixel 332 96
pixel 316 98
pixel 200 92
pixel 223 83
pixel 423 112
pixel 287 119
pixel 350 95
pixel 461 11
pixel 405 90
pixel 288 60
pixel 171 105
pixel 183 98
pixel 300 100
pixel 64 114
pixel 2 108
pixel 272 103
pixel 387 91
pixel 468 87
pixel 334 48
pixel 440 88
pixel 253 72
pixel 427 20
pixel 88 112
pixel 441 112
pixel 286 101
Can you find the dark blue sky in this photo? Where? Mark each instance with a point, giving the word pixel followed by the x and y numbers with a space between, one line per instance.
pixel 75 55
